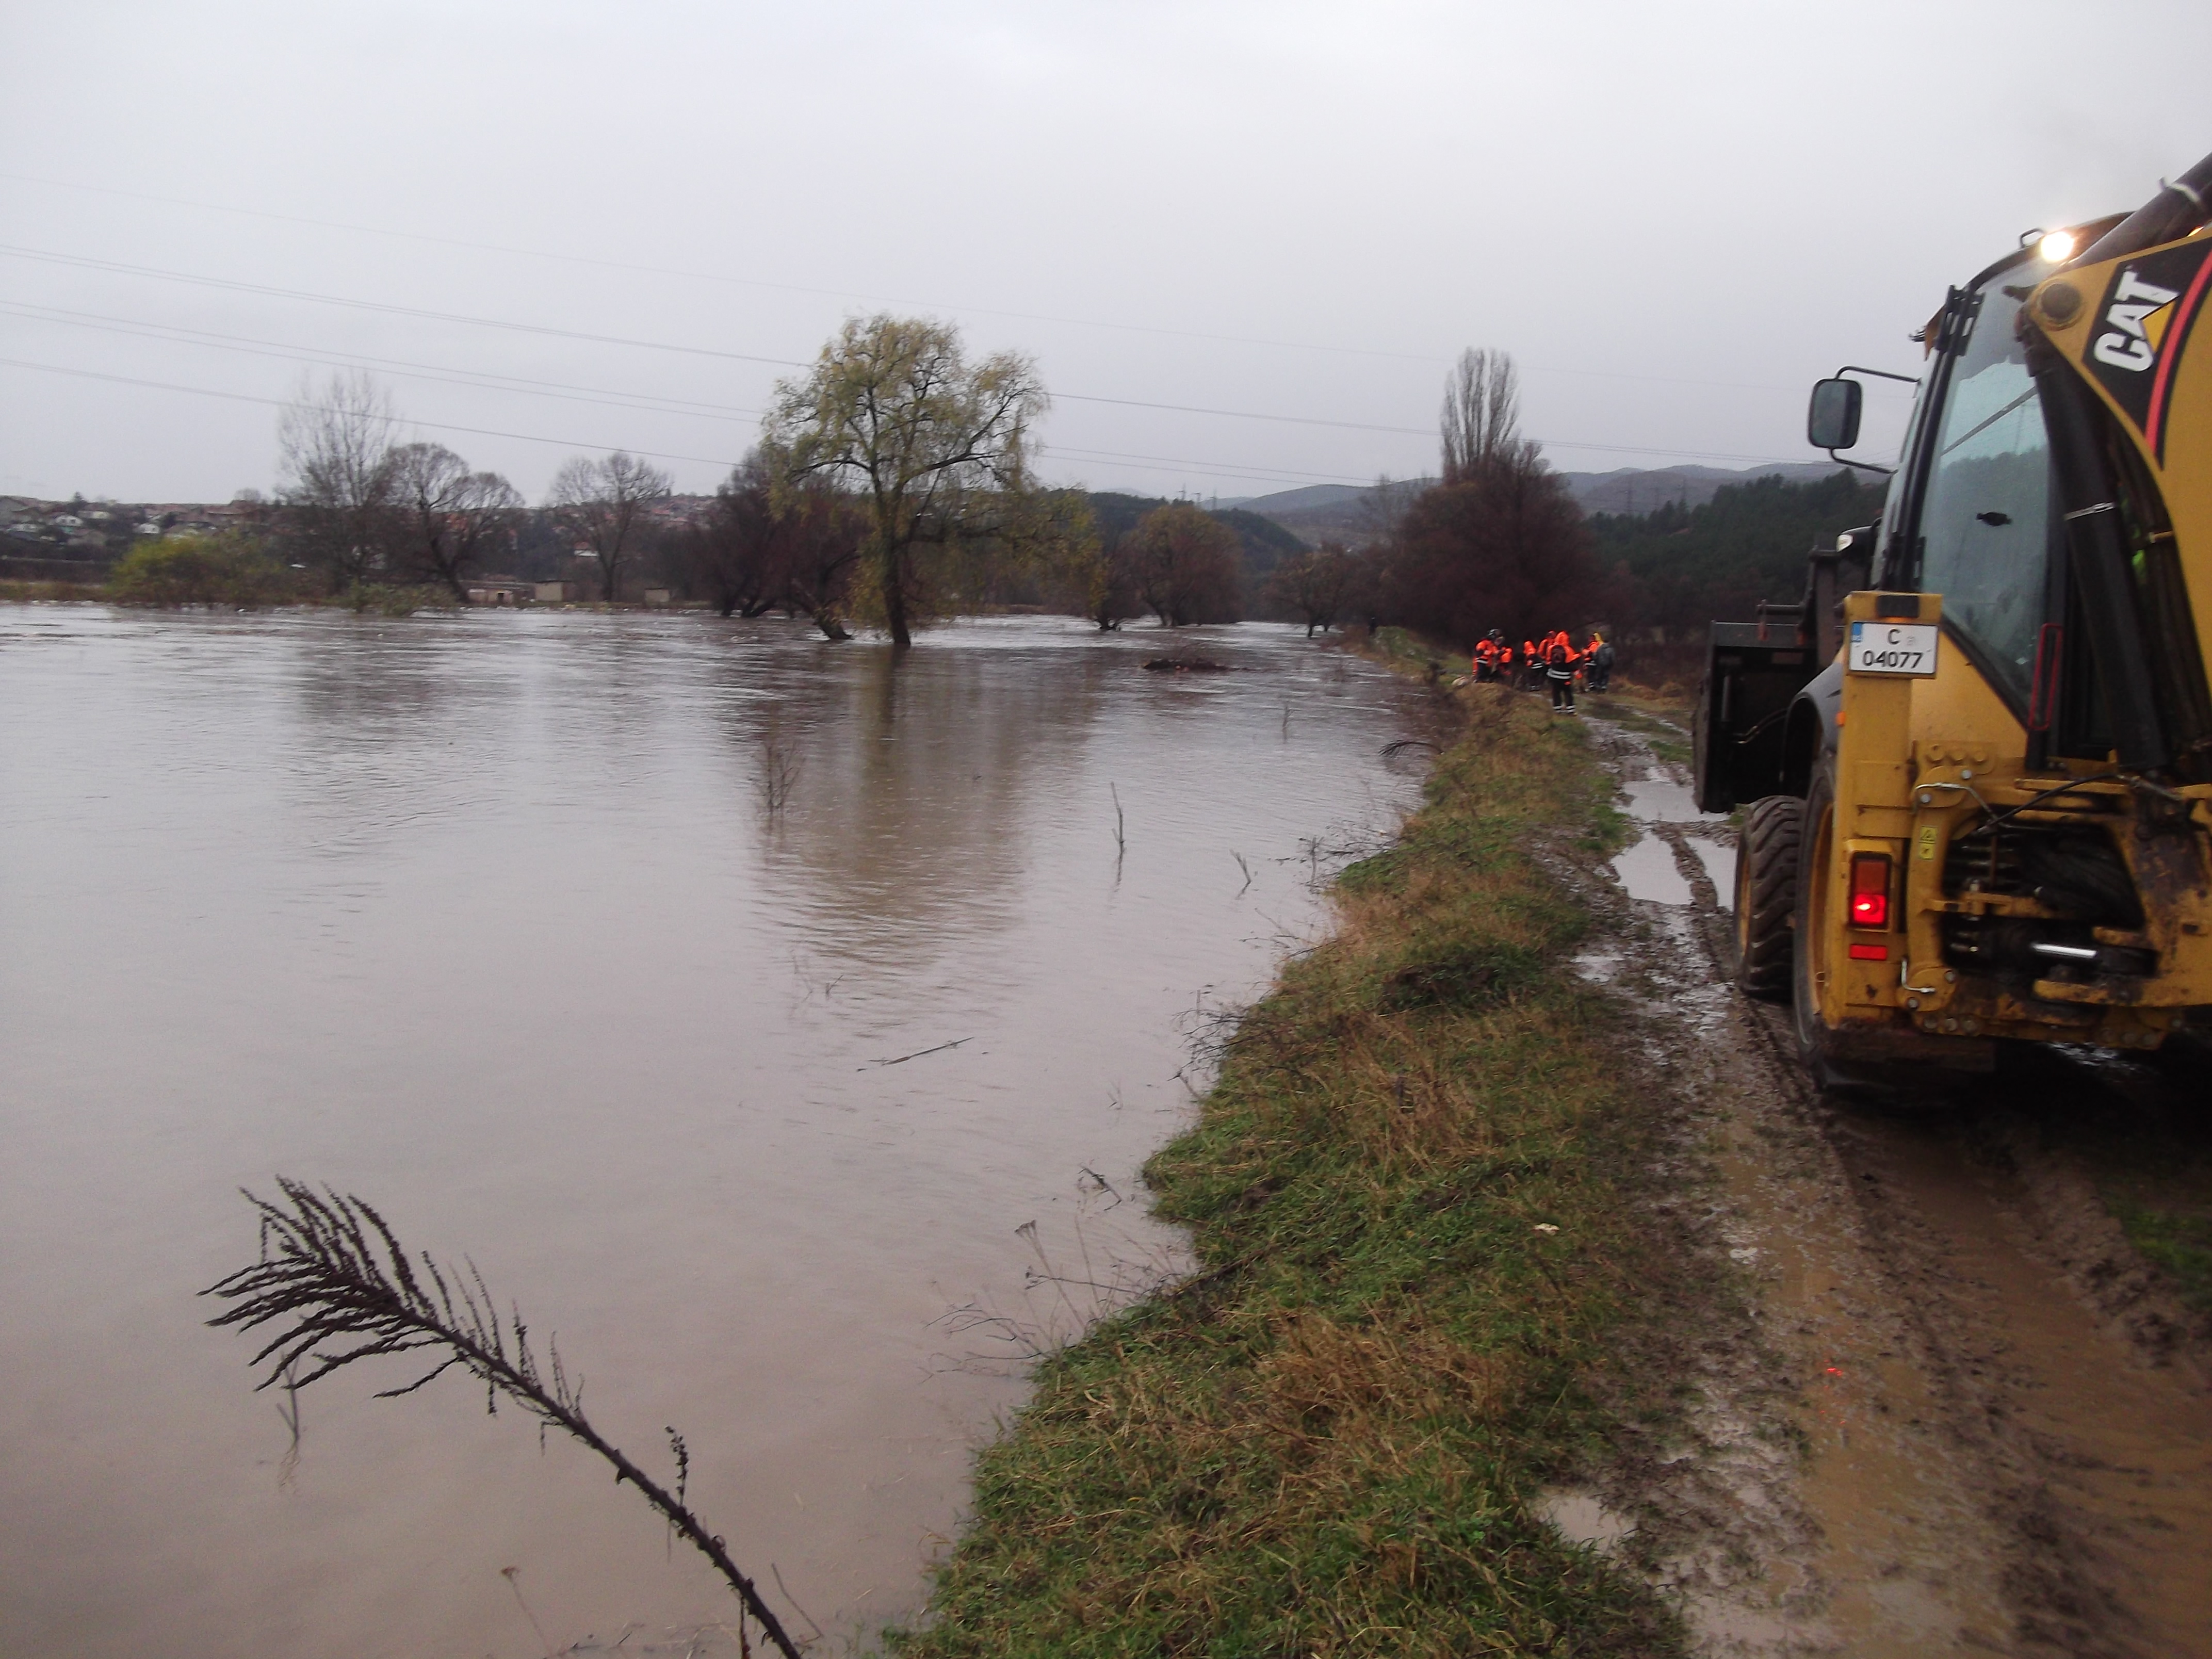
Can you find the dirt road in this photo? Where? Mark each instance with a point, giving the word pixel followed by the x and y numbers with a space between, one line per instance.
pixel 1938 1403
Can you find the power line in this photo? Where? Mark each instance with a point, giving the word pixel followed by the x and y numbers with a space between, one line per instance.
pixel 845 294
pixel 283 352
pixel 124 269
pixel 1209 470
pixel 710 276
pixel 279 403
pixel 851 294
pixel 645 402
pixel 1221 469
pixel 85 263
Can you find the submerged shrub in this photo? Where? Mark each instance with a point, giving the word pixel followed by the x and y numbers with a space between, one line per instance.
pixel 385 600
pixel 228 570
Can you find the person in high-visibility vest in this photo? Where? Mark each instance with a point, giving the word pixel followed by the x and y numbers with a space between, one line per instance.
pixel 1599 655
pixel 1559 659
pixel 1531 665
pixel 1486 658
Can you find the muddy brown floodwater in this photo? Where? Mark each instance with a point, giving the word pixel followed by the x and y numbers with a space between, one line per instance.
pixel 489 918
pixel 1942 1407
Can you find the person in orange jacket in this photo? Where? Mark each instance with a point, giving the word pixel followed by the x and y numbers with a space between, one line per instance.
pixel 1560 660
pixel 1486 658
pixel 1599 655
pixel 1531 665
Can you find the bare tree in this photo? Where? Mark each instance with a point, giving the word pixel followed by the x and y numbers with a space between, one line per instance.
pixel 335 448
pixel 454 517
pixel 601 505
pixel 758 547
pixel 733 555
pixel 1481 415
pixel 936 452
pixel 1320 585
pixel 822 533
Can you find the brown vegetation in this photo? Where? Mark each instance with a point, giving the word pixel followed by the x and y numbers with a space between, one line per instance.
pixel 1181 563
pixel 1499 542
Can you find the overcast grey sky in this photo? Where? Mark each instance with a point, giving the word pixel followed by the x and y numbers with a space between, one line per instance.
pixel 1674 217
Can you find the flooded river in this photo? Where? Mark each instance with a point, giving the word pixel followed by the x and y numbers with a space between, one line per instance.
pixel 583 946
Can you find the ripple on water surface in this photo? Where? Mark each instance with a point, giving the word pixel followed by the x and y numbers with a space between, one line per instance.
pixel 491 919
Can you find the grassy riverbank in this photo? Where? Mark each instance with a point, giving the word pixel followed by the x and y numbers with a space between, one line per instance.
pixel 1410 1192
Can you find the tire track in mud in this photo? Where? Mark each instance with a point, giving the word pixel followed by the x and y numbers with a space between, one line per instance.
pixel 1941 1407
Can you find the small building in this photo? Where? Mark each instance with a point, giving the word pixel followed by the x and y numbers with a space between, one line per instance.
pixel 501 590
pixel 658 596
pixel 550 593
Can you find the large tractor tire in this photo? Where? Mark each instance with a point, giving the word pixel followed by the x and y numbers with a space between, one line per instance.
pixel 1817 1044
pixel 1766 896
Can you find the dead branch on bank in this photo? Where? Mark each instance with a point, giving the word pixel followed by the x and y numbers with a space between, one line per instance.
pixel 332 1271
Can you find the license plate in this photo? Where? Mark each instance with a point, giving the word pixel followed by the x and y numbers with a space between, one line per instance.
pixel 1880 647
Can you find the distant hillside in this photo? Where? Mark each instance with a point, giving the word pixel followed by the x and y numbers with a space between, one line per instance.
pixel 1688 567
pixel 1633 489
pixel 1337 513
pixel 1355 516
pixel 1263 542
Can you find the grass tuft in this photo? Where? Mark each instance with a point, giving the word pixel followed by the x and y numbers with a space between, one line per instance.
pixel 1410 1194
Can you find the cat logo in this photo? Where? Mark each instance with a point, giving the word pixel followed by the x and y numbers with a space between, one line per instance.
pixel 2139 314
pixel 2141 331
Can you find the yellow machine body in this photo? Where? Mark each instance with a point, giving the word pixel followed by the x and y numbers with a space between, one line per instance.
pixel 1921 759
pixel 1918 760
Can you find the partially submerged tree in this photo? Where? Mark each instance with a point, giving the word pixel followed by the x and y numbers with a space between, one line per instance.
pixel 1320 585
pixel 335 447
pixel 1183 562
pixel 454 518
pixel 732 555
pixel 600 505
pixel 1095 574
pixel 231 570
pixel 758 547
pixel 337 1288
pixel 824 535
pixel 935 450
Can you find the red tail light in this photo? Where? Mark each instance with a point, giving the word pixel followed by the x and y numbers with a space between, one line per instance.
pixel 1870 889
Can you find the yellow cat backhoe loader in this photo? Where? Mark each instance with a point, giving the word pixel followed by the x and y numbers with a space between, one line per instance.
pixel 1976 757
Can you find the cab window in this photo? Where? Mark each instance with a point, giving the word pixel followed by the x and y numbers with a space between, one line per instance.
pixel 1984 532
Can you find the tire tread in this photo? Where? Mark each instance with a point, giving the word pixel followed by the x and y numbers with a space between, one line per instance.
pixel 1772 831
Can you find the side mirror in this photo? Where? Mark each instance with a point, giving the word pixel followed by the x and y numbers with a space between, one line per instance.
pixel 1833 422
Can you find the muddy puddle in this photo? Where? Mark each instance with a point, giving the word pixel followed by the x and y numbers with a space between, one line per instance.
pixel 1667 819
pixel 492 920
pixel 1932 1426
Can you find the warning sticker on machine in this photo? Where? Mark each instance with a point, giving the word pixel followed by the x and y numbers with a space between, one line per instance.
pixel 1880 647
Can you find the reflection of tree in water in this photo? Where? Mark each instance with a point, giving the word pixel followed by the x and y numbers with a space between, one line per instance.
pixel 374 701
pixel 907 820
pixel 407 720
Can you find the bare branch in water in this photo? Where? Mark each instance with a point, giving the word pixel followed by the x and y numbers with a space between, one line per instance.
pixel 332 1271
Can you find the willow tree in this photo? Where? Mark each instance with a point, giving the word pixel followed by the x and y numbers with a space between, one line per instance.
pixel 934 450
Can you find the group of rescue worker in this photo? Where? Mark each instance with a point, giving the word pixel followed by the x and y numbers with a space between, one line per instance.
pixel 1554 660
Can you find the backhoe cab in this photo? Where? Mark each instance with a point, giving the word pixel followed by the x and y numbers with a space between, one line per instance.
pixel 1976 757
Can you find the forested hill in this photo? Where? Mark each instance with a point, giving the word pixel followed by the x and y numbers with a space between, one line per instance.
pixel 1262 542
pixel 1690 567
